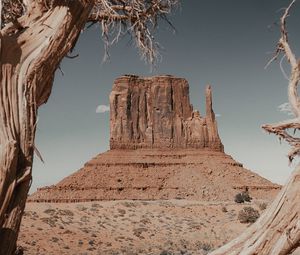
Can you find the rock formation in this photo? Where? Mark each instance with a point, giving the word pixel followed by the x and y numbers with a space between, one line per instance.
pixel 149 174
pixel 160 149
pixel 156 113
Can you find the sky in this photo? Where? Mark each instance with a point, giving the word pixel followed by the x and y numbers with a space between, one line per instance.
pixel 225 43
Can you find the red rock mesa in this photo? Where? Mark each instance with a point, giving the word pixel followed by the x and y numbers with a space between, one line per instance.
pixel 160 148
pixel 156 113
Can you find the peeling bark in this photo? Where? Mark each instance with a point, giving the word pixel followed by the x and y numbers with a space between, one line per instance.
pixel 30 53
pixel 278 230
pixel 35 35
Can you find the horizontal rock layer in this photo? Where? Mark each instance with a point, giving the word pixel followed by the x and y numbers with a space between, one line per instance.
pixel 156 112
pixel 149 174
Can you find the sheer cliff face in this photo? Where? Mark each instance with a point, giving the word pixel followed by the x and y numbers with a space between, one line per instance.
pixel 156 113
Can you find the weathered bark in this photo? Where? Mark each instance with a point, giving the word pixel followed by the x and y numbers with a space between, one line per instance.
pixel 36 35
pixel 31 51
pixel 277 231
pixel 280 129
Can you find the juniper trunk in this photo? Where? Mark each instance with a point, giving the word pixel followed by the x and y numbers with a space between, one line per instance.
pixel 30 51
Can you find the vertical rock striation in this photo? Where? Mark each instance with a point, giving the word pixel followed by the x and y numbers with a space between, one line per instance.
pixel 156 112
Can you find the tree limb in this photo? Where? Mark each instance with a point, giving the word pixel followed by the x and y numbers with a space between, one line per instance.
pixel 136 17
pixel 284 48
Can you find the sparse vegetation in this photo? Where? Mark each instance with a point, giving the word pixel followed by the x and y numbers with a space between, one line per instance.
pixel 205 247
pixel 192 228
pixel 248 215
pixel 262 206
pixel 242 197
pixel 54 239
pixel 82 208
pixel 66 213
pixel 224 209
pixel 50 211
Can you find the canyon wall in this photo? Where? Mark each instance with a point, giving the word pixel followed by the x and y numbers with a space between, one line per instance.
pixel 156 112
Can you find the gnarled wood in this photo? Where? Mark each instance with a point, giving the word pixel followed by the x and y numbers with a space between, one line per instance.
pixel 278 229
pixel 283 46
pixel 30 54
pixel 35 36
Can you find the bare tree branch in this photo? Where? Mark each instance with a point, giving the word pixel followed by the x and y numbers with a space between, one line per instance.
pixel 137 17
pixel 284 48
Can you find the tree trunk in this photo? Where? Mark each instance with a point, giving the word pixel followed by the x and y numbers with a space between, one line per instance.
pixel 30 52
pixel 277 231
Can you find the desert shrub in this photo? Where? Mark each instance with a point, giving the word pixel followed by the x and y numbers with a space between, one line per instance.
pixel 224 209
pixel 242 197
pixel 262 206
pixel 49 211
pixel 166 253
pixel 129 204
pixel 50 221
pixel 248 215
pixel 246 196
pixel 54 239
pixel 82 208
pixel 84 219
pixel 205 247
pixel 238 198
pixel 66 212
pixel 121 211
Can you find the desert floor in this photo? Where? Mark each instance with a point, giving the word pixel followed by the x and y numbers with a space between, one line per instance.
pixel 161 227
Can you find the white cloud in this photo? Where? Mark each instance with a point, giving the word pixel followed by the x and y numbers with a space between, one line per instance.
pixel 102 108
pixel 218 115
pixel 285 108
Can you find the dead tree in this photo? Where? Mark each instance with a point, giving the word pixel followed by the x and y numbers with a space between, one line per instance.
pixel 35 35
pixel 277 231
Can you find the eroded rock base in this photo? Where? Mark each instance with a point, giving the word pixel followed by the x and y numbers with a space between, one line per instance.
pixel 148 174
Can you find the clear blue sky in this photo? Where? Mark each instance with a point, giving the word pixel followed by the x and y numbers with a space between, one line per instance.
pixel 224 43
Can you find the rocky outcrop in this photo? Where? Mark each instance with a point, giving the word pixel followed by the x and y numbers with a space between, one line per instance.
pixel 187 162
pixel 156 112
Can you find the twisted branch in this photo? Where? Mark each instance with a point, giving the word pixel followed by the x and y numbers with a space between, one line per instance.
pixel 139 18
pixel 280 129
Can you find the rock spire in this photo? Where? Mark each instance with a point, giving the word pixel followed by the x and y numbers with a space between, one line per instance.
pixel 156 112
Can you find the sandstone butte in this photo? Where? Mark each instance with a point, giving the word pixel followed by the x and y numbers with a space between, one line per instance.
pixel 160 148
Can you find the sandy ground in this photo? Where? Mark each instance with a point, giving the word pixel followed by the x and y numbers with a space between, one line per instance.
pixel 162 227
